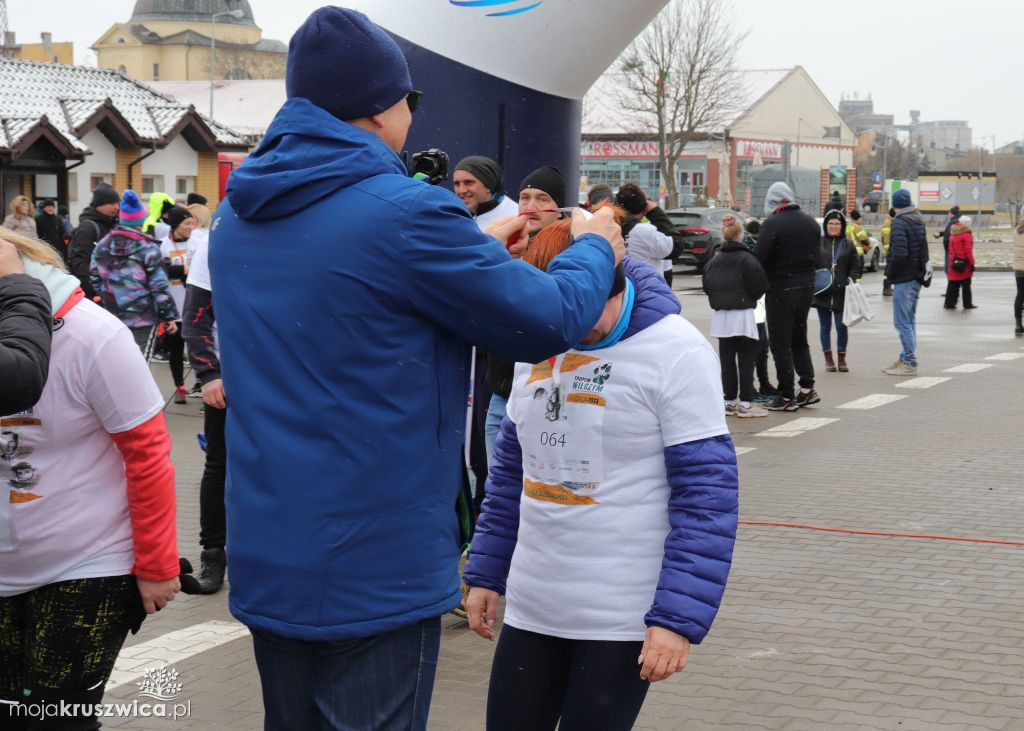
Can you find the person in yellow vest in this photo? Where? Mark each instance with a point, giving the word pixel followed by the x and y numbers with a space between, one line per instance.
pixel 856 234
pixel 886 230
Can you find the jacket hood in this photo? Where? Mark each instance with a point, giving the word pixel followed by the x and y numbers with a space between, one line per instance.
pixel 828 217
pixel 653 298
pixel 157 203
pixel 127 241
pixel 306 155
pixel 960 228
pixel 778 193
pixel 911 213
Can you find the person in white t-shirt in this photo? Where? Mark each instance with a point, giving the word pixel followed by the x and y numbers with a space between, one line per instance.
pixel 174 249
pixel 610 514
pixel 87 533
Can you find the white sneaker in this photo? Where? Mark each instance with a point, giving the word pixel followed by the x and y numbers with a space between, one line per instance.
pixel 901 369
pixel 730 408
pixel 750 412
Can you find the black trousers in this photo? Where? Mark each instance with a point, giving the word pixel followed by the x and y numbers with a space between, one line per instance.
pixel 762 357
pixel 175 345
pixel 787 329
pixel 953 293
pixel 539 681
pixel 738 355
pixel 213 528
pixel 1018 303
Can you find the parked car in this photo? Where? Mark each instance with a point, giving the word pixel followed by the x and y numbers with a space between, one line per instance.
pixel 702 233
pixel 872 259
pixel 872 201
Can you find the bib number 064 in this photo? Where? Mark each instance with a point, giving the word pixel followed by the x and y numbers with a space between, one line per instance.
pixel 552 439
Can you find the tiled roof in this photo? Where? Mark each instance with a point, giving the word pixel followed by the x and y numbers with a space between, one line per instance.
pixel 69 95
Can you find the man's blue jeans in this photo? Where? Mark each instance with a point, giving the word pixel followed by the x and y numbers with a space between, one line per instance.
pixel 382 682
pixel 904 313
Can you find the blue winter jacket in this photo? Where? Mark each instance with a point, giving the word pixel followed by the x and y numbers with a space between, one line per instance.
pixel 346 294
pixel 703 507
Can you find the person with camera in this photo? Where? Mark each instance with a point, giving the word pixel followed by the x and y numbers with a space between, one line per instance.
pixel 960 264
pixel 347 297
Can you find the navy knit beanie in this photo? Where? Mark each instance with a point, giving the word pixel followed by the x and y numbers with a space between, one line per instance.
pixel 345 64
pixel 901 199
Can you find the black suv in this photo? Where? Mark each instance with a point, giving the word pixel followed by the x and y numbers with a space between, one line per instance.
pixel 702 233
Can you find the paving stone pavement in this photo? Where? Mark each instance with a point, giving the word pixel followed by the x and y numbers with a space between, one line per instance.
pixel 818 630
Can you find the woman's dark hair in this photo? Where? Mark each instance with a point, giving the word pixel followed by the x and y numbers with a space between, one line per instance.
pixel 753 227
pixel 632 198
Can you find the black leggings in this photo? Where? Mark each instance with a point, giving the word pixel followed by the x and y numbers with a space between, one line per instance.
pixel 60 641
pixel 213 529
pixel 1018 303
pixel 539 681
pixel 175 345
pixel 738 356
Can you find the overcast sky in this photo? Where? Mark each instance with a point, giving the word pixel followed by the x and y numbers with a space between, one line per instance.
pixel 948 58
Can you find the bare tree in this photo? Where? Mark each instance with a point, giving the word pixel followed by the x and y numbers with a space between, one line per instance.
pixel 679 78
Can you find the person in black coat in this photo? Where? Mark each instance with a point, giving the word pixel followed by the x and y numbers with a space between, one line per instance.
pixel 50 227
pixel 840 255
pixel 94 223
pixel 788 250
pixel 25 332
pixel 734 281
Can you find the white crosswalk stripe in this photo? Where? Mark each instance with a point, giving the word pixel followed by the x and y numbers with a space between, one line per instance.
pixel 924 382
pixel 795 427
pixel 1006 356
pixel 968 368
pixel 873 401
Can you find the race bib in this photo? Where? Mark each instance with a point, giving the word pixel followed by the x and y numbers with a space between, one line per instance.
pixel 561 429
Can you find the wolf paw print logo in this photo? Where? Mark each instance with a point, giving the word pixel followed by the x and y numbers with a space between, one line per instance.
pixel 602 374
pixel 501 8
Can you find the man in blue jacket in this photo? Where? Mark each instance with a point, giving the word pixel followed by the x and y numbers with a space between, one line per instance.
pixel 907 268
pixel 347 296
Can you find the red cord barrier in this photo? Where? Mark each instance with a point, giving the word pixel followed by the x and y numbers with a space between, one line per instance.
pixel 881 533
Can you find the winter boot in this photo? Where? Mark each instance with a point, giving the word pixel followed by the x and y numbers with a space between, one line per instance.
pixel 830 365
pixel 843 368
pixel 1019 330
pixel 211 574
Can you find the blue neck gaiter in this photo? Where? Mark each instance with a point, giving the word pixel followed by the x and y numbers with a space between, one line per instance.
pixel 620 326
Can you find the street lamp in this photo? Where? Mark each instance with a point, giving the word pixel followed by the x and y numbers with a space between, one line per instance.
pixel 885 160
pixel 236 13
pixel 799 120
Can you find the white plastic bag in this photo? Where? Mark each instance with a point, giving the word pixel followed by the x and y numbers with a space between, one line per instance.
pixel 856 309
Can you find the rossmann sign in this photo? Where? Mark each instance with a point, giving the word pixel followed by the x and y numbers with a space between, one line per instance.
pixel 624 150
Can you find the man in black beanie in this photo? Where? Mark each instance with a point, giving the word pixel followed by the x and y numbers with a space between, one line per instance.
pixel 541 193
pixel 478 183
pixel 347 296
pixel 50 228
pixel 94 223
pixel 194 198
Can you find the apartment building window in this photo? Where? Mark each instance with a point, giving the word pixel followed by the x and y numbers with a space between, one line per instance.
pixel 96 178
pixel 183 185
pixel 152 184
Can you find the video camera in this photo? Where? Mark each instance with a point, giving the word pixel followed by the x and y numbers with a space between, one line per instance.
pixel 430 166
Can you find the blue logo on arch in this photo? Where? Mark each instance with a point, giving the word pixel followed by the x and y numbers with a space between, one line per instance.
pixel 521 7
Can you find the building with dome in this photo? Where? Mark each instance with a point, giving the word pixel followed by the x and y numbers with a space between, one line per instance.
pixel 170 40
